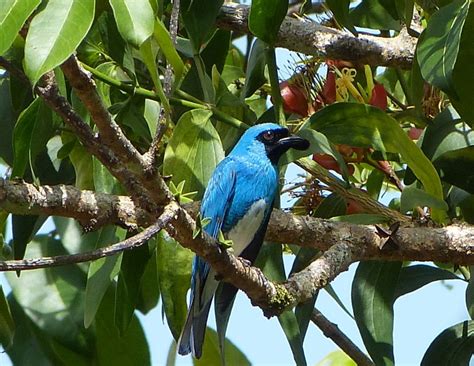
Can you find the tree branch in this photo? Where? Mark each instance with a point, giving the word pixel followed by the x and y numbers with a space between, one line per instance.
pixel 110 133
pixel 342 243
pixel 332 331
pixel 314 39
pixel 61 260
pixel 450 244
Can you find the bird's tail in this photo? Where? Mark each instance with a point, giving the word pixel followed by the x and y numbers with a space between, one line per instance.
pixel 192 336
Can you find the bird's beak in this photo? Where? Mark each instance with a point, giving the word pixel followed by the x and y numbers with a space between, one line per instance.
pixel 284 144
pixel 294 142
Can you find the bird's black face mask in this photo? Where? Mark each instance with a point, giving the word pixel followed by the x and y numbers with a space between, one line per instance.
pixel 277 142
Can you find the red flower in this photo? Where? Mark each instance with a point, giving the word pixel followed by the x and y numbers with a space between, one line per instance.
pixel 294 98
pixel 379 97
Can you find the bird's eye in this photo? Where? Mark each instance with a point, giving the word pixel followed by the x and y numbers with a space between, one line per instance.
pixel 268 135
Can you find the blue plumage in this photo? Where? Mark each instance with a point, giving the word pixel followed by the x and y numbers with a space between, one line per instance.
pixel 238 200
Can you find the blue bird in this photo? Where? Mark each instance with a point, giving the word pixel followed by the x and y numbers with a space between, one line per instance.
pixel 238 200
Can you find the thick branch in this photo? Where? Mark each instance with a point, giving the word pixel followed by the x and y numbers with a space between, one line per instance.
pixel 328 43
pixel 91 209
pixel 342 243
pixel 450 244
pixel 332 331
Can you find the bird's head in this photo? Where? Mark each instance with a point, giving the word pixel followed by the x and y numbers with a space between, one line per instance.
pixel 270 139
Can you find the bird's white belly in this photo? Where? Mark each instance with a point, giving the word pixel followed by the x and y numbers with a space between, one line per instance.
pixel 244 231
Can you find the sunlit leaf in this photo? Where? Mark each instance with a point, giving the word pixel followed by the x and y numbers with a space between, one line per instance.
pixel 193 151
pixel 13 14
pixel 336 358
pixel 55 33
pixel 163 38
pixel 135 20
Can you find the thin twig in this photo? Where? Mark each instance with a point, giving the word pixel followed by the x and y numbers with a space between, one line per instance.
pixel 165 117
pixel 62 260
pixel 332 331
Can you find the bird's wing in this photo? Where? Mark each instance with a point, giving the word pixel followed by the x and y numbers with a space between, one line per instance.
pixel 214 206
pixel 218 197
pixel 225 294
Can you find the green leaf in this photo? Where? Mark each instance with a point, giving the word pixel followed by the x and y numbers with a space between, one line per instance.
pixel 336 358
pixel 215 53
pixel 55 33
pixel 266 17
pixel 135 20
pixel 330 290
pixel 53 298
pixel 7 121
pixel 255 73
pixel 332 205
pixel 13 14
pixel 26 349
pixel 149 284
pixel 199 17
pixel 271 256
pixel 413 197
pixel 470 293
pixel 104 181
pixel 446 133
pixel 101 272
pixel 24 229
pixel 163 39
pixel 457 168
pixel 340 10
pixel 463 79
pixel 438 45
pixel 372 14
pixel 174 274
pixel 193 151
pixel 366 126
pixel 373 290
pixel 414 277
pixel 7 325
pixel 304 310
pixel 453 346
pixel 148 53
pixel 113 348
pixel 35 126
pixel 211 353
pixel 128 285
pixel 319 144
